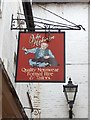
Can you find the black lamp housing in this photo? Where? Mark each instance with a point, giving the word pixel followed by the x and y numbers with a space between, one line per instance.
pixel 70 91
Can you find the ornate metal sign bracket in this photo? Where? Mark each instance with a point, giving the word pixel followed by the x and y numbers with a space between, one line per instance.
pixel 43 25
pixel 18 24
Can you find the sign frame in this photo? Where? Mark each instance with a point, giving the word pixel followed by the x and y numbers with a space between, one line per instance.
pixel 41 81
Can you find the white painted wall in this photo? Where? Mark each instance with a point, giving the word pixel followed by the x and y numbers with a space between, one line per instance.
pixel 51 97
pixel 8 45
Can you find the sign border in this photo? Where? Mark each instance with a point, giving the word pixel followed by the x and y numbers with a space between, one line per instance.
pixel 35 81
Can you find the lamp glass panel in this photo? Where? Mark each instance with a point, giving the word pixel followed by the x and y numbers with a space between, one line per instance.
pixel 70 93
pixel 70 96
pixel 70 89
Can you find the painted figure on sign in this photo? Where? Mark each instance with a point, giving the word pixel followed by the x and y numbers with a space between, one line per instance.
pixel 43 56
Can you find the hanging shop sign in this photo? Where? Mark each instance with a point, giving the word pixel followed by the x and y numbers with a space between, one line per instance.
pixel 41 57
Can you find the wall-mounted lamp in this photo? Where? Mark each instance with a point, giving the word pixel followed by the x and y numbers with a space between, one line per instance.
pixel 70 91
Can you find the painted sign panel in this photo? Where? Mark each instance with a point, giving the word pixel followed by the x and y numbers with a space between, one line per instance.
pixel 41 57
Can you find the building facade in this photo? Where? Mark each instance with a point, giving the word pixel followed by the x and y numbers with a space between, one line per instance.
pixel 47 100
pixel 8 41
pixel 76 48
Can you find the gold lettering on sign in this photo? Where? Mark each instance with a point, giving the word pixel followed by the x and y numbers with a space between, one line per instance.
pixel 38 39
pixel 40 73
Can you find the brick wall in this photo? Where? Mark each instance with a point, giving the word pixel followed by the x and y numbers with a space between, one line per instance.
pixel 51 99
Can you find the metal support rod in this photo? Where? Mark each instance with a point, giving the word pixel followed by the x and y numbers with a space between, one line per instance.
pixel 70 111
pixel 70 114
pixel 11 21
